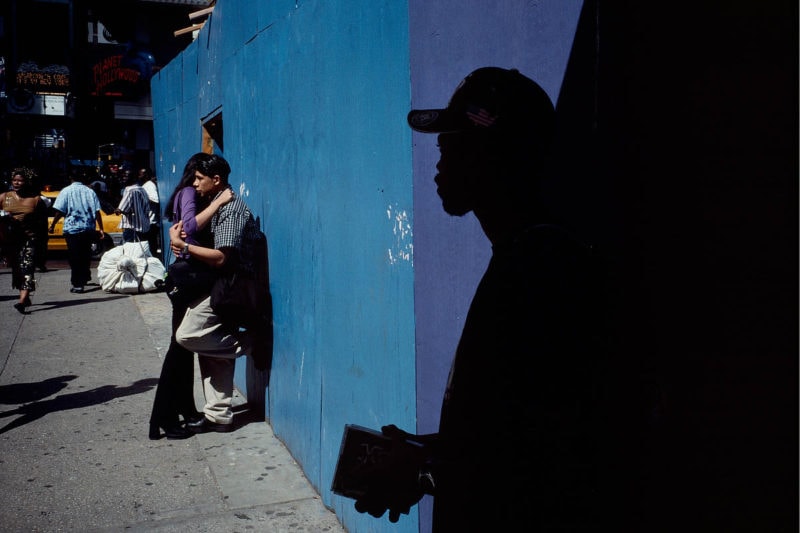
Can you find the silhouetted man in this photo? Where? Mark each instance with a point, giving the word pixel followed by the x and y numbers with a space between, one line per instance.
pixel 514 451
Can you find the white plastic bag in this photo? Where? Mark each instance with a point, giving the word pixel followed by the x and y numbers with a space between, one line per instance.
pixel 130 269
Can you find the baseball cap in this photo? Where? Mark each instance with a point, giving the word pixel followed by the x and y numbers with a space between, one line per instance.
pixel 491 99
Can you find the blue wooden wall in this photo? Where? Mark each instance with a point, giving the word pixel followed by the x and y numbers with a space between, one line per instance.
pixel 313 96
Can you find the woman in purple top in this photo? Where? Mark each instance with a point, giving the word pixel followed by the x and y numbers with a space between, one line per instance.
pixel 175 391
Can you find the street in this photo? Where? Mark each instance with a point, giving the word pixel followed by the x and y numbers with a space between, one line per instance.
pixel 77 378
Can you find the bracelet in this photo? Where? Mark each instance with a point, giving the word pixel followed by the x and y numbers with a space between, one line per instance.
pixel 185 249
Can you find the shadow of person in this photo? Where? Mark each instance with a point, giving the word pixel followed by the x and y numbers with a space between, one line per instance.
pixel 57 304
pixel 76 400
pixel 247 413
pixel 19 393
pixel 259 365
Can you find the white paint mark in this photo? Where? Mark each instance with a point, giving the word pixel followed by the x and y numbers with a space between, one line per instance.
pixel 300 383
pixel 403 247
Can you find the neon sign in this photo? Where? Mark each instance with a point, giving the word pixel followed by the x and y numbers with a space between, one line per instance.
pixel 52 78
pixel 110 70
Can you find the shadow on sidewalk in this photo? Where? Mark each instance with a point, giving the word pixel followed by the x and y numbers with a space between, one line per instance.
pixel 19 393
pixel 65 402
pixel 245 414
pixel 57 304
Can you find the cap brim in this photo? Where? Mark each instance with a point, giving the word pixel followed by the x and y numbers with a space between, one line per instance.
pixel 435 121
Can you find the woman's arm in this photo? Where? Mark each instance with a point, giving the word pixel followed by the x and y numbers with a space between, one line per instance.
pixel 194 221
pixel 205 215
pixel 187 207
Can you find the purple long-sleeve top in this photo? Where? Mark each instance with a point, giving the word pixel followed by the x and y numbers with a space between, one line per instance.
pixel 185 209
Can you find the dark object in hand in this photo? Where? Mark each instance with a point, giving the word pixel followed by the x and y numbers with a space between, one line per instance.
pixel 380 470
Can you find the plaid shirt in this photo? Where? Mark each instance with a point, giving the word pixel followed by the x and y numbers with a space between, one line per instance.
pixel 234 227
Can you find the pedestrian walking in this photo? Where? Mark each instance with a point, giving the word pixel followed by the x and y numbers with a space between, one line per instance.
pixel 27 213
pixel 80 207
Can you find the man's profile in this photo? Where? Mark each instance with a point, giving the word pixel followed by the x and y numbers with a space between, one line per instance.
pixel 515 449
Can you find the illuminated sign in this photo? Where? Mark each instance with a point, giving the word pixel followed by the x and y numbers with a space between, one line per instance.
pixel 122 73
pixel 51 78
pixel 110 70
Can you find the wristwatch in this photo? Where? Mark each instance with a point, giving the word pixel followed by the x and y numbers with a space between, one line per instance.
pixel 185 249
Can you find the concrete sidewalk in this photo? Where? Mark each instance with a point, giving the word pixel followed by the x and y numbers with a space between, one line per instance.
pixel 77 380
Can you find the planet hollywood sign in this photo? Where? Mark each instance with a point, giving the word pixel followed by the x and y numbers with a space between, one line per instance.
pixel 109 71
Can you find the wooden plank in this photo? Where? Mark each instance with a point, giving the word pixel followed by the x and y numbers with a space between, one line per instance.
pixel 191 28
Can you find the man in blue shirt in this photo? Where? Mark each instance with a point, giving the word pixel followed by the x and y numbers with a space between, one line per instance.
pixel 80 207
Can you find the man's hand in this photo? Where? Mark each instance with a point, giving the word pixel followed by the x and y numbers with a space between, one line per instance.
pixel 396 485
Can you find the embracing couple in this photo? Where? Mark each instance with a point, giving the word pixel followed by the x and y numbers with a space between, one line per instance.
pixel 212 236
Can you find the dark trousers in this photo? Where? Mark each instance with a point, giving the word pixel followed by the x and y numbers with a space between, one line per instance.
pixel 131 235
pixel 175 390
pixel 79 255
pixel 154 238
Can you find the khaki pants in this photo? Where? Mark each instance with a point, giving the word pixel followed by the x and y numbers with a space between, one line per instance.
pixel 201 332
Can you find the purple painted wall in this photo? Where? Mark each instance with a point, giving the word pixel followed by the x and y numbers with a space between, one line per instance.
pixel 448 40
pixel 677 156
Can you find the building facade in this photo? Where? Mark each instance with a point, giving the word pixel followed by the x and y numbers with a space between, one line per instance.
pixel 676 156
pixel 75 81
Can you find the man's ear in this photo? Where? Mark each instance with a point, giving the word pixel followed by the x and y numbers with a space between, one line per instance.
pixel 216 179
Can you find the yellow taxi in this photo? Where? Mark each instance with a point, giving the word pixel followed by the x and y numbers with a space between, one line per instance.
pixel 56 241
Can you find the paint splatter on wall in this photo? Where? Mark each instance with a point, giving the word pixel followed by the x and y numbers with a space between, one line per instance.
pixel 403 247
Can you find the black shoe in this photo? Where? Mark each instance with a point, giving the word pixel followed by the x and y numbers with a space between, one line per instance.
pixel 78 290
pixel 172 432
pixel 204 425
pixel 27 301
pixel 19 306
pixel 192 417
